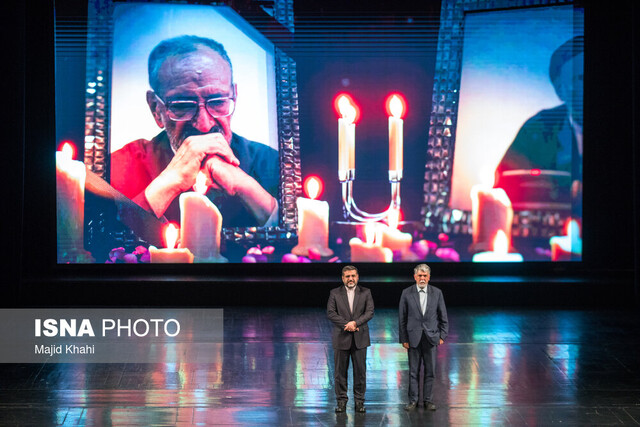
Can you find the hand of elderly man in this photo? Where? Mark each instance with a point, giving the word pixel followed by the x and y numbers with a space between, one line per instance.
pixel 188 160
pixel 222 175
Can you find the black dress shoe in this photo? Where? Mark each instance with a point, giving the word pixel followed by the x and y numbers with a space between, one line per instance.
pixel 410 406
pixel 360 408
pixel 342 406
pixel 429 406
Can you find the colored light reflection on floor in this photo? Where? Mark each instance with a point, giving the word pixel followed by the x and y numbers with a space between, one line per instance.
pixel 276 368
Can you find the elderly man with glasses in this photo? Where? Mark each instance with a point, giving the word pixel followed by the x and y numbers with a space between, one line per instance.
pixel 193 98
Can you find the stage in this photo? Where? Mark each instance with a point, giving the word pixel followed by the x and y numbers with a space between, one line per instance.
pixel 498 367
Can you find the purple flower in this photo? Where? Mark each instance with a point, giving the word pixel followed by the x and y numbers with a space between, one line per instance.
pixel 145 257
pixel 117 254
pixel 289 258
pixel 130 259
pixel 420 248
pixel 314 254
pixel 140 250
pixel 544 252
pixel 254 251
pixel 448 254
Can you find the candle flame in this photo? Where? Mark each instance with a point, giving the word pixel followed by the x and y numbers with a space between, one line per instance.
pixel 312 187
pixel 487 176
pixel 501 243
pixel 201 183
pixel 393 218
pixel 370 233
pixel 347 111
pixel 68 151
pixel 171 235
pixel 395 106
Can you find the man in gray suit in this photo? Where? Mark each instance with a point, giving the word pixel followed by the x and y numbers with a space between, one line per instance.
pixel 350 307
pixel 423 327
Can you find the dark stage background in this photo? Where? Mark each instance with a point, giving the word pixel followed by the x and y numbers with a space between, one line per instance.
pixel 606 276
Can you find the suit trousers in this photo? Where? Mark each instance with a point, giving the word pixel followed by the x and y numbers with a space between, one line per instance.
pixel 341 367
pixel 426 352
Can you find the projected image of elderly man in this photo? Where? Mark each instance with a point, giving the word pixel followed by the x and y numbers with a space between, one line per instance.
pixel 193 98
pixel 552 138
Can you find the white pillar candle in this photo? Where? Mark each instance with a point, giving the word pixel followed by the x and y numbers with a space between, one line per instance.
pixel 491 212
pixel 313 223
pixel 200 224
pixel 371 250
pixel 170 255
pixel 500 252
pixel 346 136
pixel 70 182
pixel 393 238
pixel 395 135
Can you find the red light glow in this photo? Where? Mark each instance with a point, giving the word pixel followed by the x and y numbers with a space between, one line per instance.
pixel 68 149
pixel 371 235
pixel 394 218
pixel 501 243
pixel 341 101
pixel 536 172
pixel 201 183
pixel 313 187
pixel 396 105
pixel 171 232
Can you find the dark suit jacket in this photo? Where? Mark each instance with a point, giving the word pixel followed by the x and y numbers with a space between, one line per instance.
pixel 545 141
pixel 434 323
pixel 339 314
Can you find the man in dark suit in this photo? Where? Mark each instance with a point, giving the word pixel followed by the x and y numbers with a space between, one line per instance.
pixel 423 327
pixel 350 307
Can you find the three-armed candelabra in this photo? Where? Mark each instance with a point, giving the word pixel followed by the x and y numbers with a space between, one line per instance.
pixel 346 157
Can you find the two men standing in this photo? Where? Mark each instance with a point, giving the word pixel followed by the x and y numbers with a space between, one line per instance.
pixel 423 326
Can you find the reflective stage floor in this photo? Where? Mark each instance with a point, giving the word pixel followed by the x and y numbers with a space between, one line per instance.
pixel 498 367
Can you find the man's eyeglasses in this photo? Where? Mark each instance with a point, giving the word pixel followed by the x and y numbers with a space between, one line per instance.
pixel 184 110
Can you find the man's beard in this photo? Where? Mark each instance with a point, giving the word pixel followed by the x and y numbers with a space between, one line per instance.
pixel 351 284
pixel 176 142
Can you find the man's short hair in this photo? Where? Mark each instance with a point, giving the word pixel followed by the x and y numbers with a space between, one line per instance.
pixel 179 46
pixel 422 267
pixel 569 49
pixel 349 268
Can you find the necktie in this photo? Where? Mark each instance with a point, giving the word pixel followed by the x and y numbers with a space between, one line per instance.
pixel 423 301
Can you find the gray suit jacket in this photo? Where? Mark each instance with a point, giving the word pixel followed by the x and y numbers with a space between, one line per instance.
pixel 412 323
pixel 339 314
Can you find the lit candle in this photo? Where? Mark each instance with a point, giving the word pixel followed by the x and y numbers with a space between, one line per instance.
pixel 395 137
pixel 568 247
pixel 200 223
pixel 313 221
pixel 170 255
pixel 500 251
pixel 393 238
pixel 346 136
pixel 371 249
pixel 491 212
pixel 70 181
